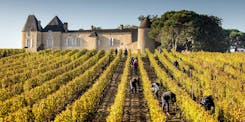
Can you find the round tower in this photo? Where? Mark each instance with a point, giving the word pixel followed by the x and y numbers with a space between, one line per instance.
pixel 143 40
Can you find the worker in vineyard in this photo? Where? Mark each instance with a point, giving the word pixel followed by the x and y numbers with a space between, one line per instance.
pixel 132 62
pixel 133 84
pixel 160 50
pixel 125 52
pixel 135 64
pixel 155 89
pixel 4 54
pixel 167 98
pixel 116 51
pixel 176 63
pixel 208 103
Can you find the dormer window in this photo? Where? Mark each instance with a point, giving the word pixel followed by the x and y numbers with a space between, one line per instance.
pixel 50 40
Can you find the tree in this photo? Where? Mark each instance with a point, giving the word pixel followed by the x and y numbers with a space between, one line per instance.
pixel 141 18
pixel 128 27
pixel 151 17
pixel 97 28
pixel 235 38
pixel 187 30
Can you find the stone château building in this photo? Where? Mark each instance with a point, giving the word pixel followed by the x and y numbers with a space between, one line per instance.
pixel 56 35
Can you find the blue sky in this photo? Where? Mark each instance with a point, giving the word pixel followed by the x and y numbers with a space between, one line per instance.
pixel 106 13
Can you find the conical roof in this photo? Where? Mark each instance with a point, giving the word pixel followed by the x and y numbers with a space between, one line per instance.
pixel 146 23
pixel 55 25
pixel 31 24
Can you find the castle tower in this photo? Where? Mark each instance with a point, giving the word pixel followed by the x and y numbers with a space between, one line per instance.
pixel 31 34
pixel 143 39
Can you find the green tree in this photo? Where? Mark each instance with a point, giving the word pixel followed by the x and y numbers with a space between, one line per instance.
pixel 128 27
pixel 235 37
pixel 187 30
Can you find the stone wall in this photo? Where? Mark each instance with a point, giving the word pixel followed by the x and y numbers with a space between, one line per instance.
pixel 107 41
pixel 134 40
pixel 51 36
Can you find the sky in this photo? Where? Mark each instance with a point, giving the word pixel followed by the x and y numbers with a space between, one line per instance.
pixel 107 13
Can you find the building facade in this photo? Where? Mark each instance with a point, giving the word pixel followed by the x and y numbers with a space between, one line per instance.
pixel 56 35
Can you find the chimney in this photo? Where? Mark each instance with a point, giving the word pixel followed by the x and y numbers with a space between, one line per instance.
pixel 66 26
pixel 39 25
pixel 121 27
pixel 39 22
pixel 92 27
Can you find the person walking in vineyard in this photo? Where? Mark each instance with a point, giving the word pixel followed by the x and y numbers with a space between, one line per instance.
pixel 125 52
pixel 116 51
pixel 208 103
pixel 135 64
pixel 160 50
pixel 167 97
pixel 176 63
pixel 132 62
pixel 155 89
pixel 133 84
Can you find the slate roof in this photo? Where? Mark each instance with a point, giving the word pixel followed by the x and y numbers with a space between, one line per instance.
pixel 55 25
pixel 31 24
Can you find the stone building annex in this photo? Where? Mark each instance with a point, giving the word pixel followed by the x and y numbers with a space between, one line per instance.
pixel 56 35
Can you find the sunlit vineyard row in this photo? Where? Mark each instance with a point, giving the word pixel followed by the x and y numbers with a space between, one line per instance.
pixel 9 52
pixel 69 85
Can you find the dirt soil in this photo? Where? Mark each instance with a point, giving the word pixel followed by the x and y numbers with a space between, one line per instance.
pixel 135 106
pixel 175 114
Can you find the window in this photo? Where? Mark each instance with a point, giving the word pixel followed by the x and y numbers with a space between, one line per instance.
pixel 49 42
pixel 78 42
pixel 66 42
pixel 111 41
pixel 28 43
pixel 73 42
pixel 69 42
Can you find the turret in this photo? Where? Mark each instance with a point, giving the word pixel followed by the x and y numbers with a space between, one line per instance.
pixel 143 40
pixel 31 33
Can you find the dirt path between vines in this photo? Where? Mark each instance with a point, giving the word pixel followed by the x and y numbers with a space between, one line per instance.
pixel 135 106
pixel 175 112
pixel 109 95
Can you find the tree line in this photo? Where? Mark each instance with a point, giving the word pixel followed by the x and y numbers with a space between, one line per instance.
pixel 188 30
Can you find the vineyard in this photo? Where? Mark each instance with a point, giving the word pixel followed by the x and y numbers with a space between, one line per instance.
pixel 94 85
